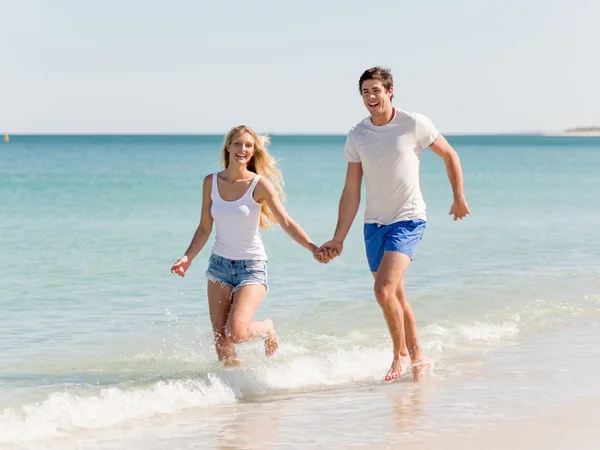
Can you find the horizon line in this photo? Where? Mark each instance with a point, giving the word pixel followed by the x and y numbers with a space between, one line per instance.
pixel 497 133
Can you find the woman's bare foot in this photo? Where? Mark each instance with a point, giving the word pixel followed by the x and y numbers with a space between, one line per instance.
pixel 232 362
pixel 399 368
pixel 271 339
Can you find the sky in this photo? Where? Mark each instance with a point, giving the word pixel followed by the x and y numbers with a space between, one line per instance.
pixel 185 66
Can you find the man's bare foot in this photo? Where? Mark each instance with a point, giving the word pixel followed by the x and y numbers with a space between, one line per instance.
pixel 271 339
pixel 416 353
pixel 421 368
pixel 399 368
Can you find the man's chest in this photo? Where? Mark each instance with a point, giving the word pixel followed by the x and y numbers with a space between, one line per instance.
pixel 385 149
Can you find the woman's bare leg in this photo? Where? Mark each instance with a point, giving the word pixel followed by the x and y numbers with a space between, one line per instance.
pixel 219 305
pixel 241 327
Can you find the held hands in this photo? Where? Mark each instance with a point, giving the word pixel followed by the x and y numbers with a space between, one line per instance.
pixel 324 254
pixel 329 250
pixel 181 266
pixel 319 256
pixel 459 209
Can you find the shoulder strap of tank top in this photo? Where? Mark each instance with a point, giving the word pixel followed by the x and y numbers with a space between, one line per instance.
pixel 254 182
pixel 215 186
pixel 253 186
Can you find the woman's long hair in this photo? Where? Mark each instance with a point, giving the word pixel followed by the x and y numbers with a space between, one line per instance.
pixel 261 163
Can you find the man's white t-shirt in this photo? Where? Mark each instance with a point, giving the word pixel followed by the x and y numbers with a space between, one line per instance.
pixel 390 155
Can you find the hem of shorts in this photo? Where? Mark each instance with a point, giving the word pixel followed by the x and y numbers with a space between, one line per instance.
pixel 398 251
pixel 390 250
pixel 215 279
pixel 249 283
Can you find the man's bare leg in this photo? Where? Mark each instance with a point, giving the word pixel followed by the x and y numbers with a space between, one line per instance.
pixel 420 366
pixel 410 333
pixel 387 278
pixel 410 325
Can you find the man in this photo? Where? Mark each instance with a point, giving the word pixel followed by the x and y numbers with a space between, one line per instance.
pixel 386 148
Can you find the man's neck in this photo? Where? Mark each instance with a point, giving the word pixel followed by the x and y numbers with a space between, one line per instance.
pixel 385 118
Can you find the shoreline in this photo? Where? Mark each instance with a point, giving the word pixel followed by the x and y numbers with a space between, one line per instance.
pixel 533 394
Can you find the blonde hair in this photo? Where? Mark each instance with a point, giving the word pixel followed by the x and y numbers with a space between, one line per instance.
pixel 261 163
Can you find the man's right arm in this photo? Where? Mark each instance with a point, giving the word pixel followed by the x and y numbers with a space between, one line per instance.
pixel 349 202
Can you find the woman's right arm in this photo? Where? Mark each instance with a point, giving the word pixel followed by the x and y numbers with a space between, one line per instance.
pixel 202 232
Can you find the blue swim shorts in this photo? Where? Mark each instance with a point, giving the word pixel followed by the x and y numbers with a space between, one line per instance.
pixel 236 273
pixel 403 237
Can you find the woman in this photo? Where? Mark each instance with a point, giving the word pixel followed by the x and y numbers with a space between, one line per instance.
pixel 241 199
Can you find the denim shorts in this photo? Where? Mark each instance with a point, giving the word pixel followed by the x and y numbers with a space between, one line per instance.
pixel 237 273
pixel 402 237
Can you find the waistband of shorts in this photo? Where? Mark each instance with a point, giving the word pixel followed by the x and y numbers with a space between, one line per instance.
pixel 416 221
pixel 235 262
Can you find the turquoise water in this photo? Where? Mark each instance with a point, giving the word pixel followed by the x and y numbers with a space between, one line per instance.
pixel 97 336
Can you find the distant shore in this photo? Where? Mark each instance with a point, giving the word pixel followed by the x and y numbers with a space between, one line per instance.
pixel 580 131
pixel 574 133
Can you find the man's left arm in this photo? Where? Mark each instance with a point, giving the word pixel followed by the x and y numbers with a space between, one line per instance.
pixel 444 150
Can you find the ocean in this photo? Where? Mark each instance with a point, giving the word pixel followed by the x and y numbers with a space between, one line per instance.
pixel 102 347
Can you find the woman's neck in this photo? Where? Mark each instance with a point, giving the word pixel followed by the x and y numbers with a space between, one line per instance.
pixel 236 172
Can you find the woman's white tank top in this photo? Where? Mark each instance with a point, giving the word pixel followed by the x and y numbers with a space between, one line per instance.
pixel 237 225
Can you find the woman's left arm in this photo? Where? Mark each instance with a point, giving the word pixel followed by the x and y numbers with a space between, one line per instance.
pixel 267 193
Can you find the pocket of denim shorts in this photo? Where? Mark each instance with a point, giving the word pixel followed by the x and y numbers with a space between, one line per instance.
pixel 255 266
pixel 212 262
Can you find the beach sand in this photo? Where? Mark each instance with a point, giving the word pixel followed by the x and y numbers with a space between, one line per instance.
pixel 568 425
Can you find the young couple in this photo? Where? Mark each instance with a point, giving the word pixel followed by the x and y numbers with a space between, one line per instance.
pixel 385 149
